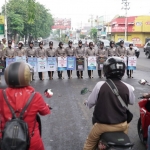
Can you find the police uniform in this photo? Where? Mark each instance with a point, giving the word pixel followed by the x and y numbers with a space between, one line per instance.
pixel 9 52
pixel 30 52
pixel 50 52
pixel 60 52
pixel 111 51
pixel 1 56
pixel 121 51
pixel 80 53
pixel 90 52
pixel 70 52
pixel 103 53
pixel 20 52
pixel 40 52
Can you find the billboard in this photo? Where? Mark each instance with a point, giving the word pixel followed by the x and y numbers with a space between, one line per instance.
pixel 2 21
pixel 62 23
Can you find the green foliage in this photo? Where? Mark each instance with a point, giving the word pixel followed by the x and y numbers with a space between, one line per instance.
pixel 82 36
pixel 93 33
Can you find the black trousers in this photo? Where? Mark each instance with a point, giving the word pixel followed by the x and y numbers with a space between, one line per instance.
pixel 40 75
pixel 69 73
pixel 60 74
pixel 79 73
pixel 50 74
pixel 90 72
pixel 129 73
pixel 99 73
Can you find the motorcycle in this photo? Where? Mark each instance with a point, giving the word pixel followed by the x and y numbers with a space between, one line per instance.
pixel 120 142
pixel 144 120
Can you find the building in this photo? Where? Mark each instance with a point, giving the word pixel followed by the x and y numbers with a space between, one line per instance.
pixel 138 29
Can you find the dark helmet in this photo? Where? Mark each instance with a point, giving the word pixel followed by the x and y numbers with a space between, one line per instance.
pixel 31 42
pixel 90 44
pixel 9 41
pixel 41 43
pixel 18 74
pixel 79 42
pixel 101 43
pixel 51 43
pixel 114 67
pixel 112 42
pixel 70 42
pixel 130 44
pixel 60 43
pixel 122 42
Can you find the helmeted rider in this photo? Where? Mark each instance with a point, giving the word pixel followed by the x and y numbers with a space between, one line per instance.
pixel 60 52
pixel 70 52
pixel 17 77
pixel 121 50
pixel 109 115
pixel 112 49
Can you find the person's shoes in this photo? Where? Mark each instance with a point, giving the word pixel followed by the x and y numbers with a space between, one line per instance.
pixel 78 77
pixel 81 77
pixel 90 77
pixel 40 78
pixel 33 79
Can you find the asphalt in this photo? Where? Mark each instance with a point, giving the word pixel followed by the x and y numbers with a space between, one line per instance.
pixel 70 121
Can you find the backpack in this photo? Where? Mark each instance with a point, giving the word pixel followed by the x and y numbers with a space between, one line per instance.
pixel 15 135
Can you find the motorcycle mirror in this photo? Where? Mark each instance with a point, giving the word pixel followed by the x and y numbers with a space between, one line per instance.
pixel 84 91
pixel 142 82
pixel 48 93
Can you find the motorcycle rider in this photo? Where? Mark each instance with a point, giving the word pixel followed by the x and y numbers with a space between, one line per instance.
pixel 109 115
pixel 60 52
pixel 121 50
pixel 112 49
pixel 102 52
pixel 20 51
pixel 90 52
pixel 70 52
pixel 130 52
pixel 41 53
pixel 80 52
pixel 50 52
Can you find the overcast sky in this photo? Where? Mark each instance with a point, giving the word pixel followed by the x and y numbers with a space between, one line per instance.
pixel 80 10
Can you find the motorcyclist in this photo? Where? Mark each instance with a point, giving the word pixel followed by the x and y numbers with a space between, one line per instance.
pixel 109 115
pixel 18 92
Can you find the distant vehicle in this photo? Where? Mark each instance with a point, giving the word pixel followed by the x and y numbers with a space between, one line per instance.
pixel 126 44
pixel 106 43
pixel 75 41
pixel 147 50
pixel 144 48
pixel 88 41
pixel 83 41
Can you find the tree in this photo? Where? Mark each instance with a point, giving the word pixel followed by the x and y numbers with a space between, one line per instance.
pixel 82 36
pixel 93 33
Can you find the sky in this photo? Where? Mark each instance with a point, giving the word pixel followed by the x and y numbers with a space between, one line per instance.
pixel 81 10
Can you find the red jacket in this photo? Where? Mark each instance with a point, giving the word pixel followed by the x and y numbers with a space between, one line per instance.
pixel 17 98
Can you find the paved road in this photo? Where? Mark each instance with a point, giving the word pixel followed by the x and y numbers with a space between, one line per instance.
pixel 70 121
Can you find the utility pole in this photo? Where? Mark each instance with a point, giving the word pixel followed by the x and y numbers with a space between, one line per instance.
pixel 126 8
pixel 6 21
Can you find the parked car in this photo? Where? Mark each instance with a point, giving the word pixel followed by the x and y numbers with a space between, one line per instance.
pixel 126 44
pixel 147 50
pixel 75 41
pixel 146 46
pixel 106 43
pixel 88 41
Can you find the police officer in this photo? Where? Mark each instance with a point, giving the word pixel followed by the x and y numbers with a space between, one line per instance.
pixel 130 52
pixel 40 53
pixel 112 49
pixel 4 43
pixel 20 51
pixel 70 52
pixel 102 52
pixel 60 52
pixel 90 52
pixel 9 52
pixel 121 50
pixel 50 52
pixel 80 53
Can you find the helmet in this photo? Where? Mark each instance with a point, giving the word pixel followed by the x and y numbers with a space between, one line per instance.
pixel 101 43
pixel 114 67
pixel 18 74
pixel 112 42
pixel 20 43
pixel 122 42
pixel 51 43
pixel 130 44
pixel 90 44
pixel 31 42
pixel 60 43
pixel 9 41
pixel 79 42
pixel 70 42
pixel 41 43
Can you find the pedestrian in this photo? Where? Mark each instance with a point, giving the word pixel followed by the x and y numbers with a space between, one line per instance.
pixel 31 52
pixel 51 52
pixel 90 52
pixel 9 52
pixel 1 59
pixel 102 52
pixel 41 53
pixel 112 49
pixel 18 93
pixel 80 53
pixel 60 52
pixel 70 52
pixel 130 53
pixel 20 51
pixel 121 50
pixel 109 114
pixel 4 43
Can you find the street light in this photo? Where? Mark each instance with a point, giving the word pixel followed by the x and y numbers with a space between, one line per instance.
pixel 5 21
pixel 126 8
